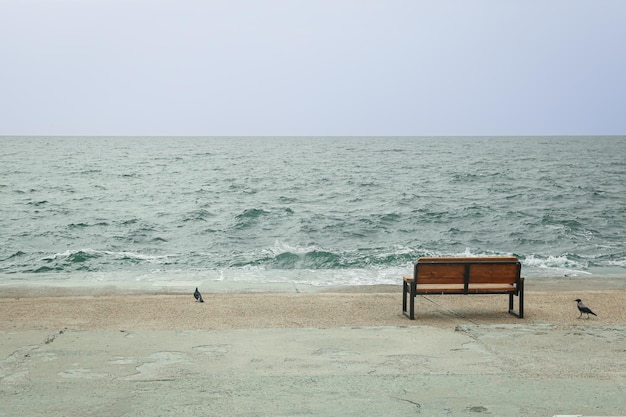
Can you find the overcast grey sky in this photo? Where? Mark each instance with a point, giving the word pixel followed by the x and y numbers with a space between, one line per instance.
pixel 312 67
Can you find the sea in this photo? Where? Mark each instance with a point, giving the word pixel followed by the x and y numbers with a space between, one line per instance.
pixel 310 211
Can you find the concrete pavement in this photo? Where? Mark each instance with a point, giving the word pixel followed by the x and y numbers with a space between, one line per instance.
pixel 473 370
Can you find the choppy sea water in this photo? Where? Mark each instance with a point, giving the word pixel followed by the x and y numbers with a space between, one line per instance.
pixel 320 211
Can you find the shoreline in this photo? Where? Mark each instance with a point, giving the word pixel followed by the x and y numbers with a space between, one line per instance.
pixel 29 289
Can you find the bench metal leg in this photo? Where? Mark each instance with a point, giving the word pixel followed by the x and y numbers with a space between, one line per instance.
pixel 521 300
pixel 404 293
pixel 408 291
pixel 520 297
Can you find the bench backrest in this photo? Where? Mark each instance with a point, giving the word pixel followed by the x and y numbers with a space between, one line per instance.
pixel 487 270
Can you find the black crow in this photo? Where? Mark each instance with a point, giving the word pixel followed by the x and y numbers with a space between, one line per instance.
pixel 198 296
pixel 584 309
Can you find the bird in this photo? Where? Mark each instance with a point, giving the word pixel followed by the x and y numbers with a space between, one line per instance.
pixel 198 296
pixel 584 309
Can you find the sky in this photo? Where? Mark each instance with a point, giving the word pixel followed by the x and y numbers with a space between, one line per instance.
pixel 312 67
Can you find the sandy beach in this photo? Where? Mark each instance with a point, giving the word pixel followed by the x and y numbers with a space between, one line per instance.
pixel 340 351
pixel 111 308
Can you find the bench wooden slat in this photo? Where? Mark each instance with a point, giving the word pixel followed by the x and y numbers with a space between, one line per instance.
pixel 435 288
pixel 494 273
pixel 469 259
pixel 441 273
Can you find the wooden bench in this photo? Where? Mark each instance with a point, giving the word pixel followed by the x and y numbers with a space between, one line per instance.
pixel 489 275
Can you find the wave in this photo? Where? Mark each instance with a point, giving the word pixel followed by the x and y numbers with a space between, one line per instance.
pixel 17 254
pixel 620 263
pixel 91 260
pixel 37 203
pixel 81 255
pixel 249 217
pixel 565 265
pixel 283 256
pixel 84 225
pixel 198 215
pixel 252 213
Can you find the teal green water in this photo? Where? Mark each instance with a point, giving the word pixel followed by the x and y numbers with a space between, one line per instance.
pixel 325 211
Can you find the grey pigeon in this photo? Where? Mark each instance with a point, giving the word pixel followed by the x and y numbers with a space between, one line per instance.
pixel 198 296
pixel 584 309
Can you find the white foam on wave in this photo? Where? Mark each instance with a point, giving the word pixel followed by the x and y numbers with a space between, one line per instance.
pixel 619 262
pixel 260 276
pixel 281 247
pixel 554 266
pixel 114 254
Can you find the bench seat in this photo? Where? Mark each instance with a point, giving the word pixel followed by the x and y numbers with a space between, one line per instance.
pixel 460 288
